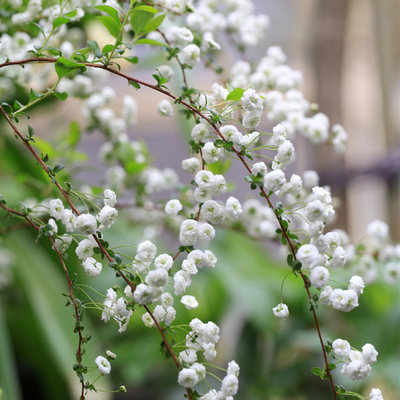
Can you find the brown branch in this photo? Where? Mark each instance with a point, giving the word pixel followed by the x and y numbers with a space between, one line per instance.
pixel 238 154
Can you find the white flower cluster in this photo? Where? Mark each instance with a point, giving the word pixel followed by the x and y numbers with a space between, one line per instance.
pixel 356 364
pixel 86 224
pixel 203 338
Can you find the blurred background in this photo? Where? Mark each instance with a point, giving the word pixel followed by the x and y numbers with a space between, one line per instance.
pixel 349 53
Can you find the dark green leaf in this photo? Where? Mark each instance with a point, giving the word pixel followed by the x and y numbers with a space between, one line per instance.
pixel 133 60
pixel 134 84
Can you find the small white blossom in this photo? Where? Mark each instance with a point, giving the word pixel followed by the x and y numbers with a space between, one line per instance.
pixel 189 302
pixel 165 108
pixel 281 311
pixel 110 198
pixel 92 267
pixel 56 208
pixel 173 207
pixel 86 223
pixel 191 165
pixel 103 364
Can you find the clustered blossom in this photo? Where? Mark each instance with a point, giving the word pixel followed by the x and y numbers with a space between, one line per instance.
pixel 356 364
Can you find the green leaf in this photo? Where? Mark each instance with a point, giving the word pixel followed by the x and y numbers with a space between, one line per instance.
pixel 33 95
pixel 139 19
pixel 61 95
pixel 153 24
pixel 133 60
pixel 235 95
pixel 151 42
pixel 58 168
pixel 107 48
pixel 111 11
pixel 60 21
pixel 134 84
pixel 74 134
pixel 111 25
pixel 148 9
pixel 318 372
pixel 71 14
pixel 65 67
pixel 95 48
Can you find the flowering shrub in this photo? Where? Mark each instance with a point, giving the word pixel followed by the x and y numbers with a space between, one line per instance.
pixel 43 43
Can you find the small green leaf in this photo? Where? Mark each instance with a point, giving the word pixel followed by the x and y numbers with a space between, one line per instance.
pixel 71 14
pixel 318 372
pixel 61 95
pixel 151 42
pixel 134 84
pixel 111 11
pixel 153 24
pixel 148 9
pixel 64 66
pixel 33 95
pixel 60 21
pixel 140 17
pixel 133 60
pixel 112 26
pixel 95 48
pixel 31 132
pixel 107 48
pixel 235 95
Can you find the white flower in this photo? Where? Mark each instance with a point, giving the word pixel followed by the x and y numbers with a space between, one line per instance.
pixel 189 356
pixel 56 208
pixel 107 216
pixel 110 198
pixel 159 313
pixel 233 208
pixel 251 119
pixel 324 297
pixel 143 294
pixel 188 232
pixel 92 267
pixel 173 207
pixel 200 370
pixel 342 349
pixel 319 277
pixel 375 394
pixel 211 154
pixel 166 72
pixel 164 261
pixel 187 377
pixel 378 230
pixel 212 211
pixel 146 251
pixel 229 385
pixel 167 300
pixel 259 168
pixel 210 259
pixel 84 249
pixel 200 132
pixel 86 223
pixel 157 278
pixel 281 311
pixel 111 355
pixel 310 179
pixel 274 180
pixel 369 353
pixel 165 108
pixel 191 55
pixel 231 133
pixel 53 227
pixel 308 254
pixel 357 284
pixel 68 218
pixel 182 281
pixel 170 316
pixel 189 302
pixel 344 300
pixel 178 36
pixel 206 231
pixel 191 165
pixel 251 100
pixel 103 364
pixel 357 369
pixel 189 266
pixel 147 320
pixel 204 179
pixel 233 368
